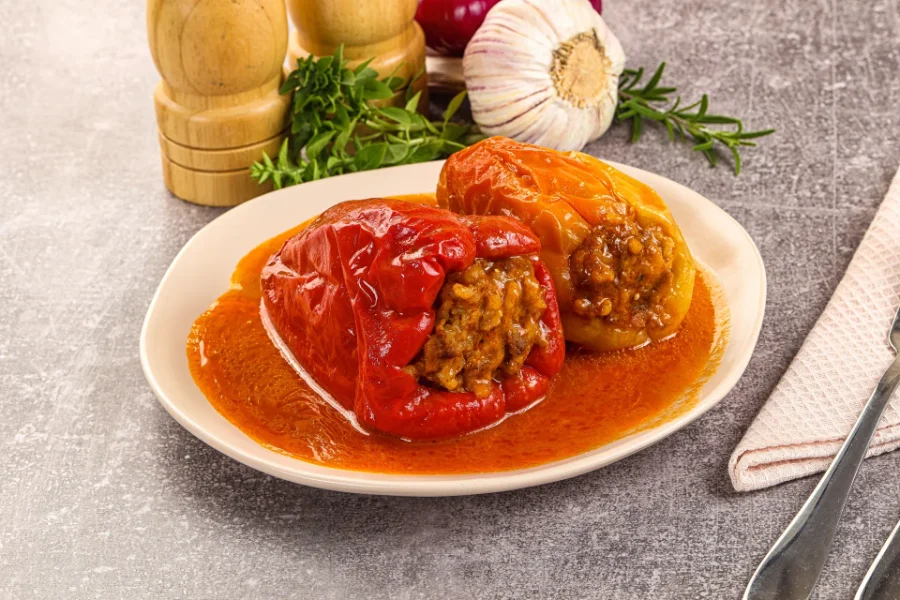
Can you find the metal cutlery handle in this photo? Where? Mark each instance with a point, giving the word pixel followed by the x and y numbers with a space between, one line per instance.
pixel 791 568
pixel 882 582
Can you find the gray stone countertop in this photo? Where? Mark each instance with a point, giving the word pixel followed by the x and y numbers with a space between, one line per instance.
pixel 103 495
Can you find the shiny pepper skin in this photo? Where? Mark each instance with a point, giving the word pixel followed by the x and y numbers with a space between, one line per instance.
pixel 352 297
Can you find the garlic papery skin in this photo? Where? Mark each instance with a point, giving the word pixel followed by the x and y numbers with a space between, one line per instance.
pixel 544 72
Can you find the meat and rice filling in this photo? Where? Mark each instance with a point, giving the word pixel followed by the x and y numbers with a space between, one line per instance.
pixel 622 272
pixel 488 320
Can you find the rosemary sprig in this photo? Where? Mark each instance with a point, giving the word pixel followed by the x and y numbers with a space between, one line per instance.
pixel 335 128
pixel 688 123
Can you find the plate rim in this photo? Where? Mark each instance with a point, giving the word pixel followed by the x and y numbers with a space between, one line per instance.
pixel 345 480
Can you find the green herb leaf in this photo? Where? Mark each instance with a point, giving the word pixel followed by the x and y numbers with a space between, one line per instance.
pixel 317 144
pixel 331 100
pixel 737 159
pixel 396 153
pixel 656 76
pixel 395 83
pixel 717 120
pixel 689 123
pixel 670 129
pixel 376 90
pixel 637 127
pixel 756 134
pixel 454 105
pixel 420 124
pixel 454 132
pixel 283 159
pixel 428 151
pixel 370 157
pixel 399 115
pixel 343 138
pixel 413 103
pixel 324 63
pixel 363 67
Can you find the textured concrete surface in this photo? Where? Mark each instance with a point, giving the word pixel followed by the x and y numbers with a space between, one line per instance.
pixel 103 495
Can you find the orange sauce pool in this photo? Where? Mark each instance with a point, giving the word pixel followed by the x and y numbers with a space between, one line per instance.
pixel 596 399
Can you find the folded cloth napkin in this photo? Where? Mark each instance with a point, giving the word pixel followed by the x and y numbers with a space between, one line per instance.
pixel 814 406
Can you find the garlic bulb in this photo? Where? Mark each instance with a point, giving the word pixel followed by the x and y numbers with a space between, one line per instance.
pixel 544 72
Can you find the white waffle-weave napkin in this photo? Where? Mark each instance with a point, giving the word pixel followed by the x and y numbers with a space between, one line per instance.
pixel 814 406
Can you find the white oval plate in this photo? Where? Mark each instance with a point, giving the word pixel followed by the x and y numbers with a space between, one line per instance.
pixel 202 270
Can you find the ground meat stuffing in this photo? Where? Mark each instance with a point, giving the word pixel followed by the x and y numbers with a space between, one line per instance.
pixel 621 273
pixel 487 322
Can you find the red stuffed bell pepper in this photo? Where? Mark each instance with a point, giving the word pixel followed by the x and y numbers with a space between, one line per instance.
pixel 424 323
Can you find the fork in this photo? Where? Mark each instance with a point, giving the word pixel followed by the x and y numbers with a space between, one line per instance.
pixel 791 568
pixel 882 582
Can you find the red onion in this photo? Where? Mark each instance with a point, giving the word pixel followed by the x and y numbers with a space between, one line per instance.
pixel 450 24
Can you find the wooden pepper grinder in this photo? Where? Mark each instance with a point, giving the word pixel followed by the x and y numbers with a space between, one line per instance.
pixel 384 29
pixel 217 107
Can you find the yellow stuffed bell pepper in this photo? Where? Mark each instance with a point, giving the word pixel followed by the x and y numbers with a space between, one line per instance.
pixel 624 275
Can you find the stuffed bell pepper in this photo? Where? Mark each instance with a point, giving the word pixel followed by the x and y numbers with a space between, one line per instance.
pixel 423 323
pixel 623 272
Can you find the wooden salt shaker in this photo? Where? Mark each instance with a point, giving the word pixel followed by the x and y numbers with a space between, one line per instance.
pixel 384 29
pixel 217 107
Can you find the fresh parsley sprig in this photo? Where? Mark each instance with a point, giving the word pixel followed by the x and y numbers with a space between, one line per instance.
pixel 335 127
pixel 689 123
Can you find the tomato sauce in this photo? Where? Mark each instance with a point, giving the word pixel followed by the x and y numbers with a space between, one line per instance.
pixel 596 399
